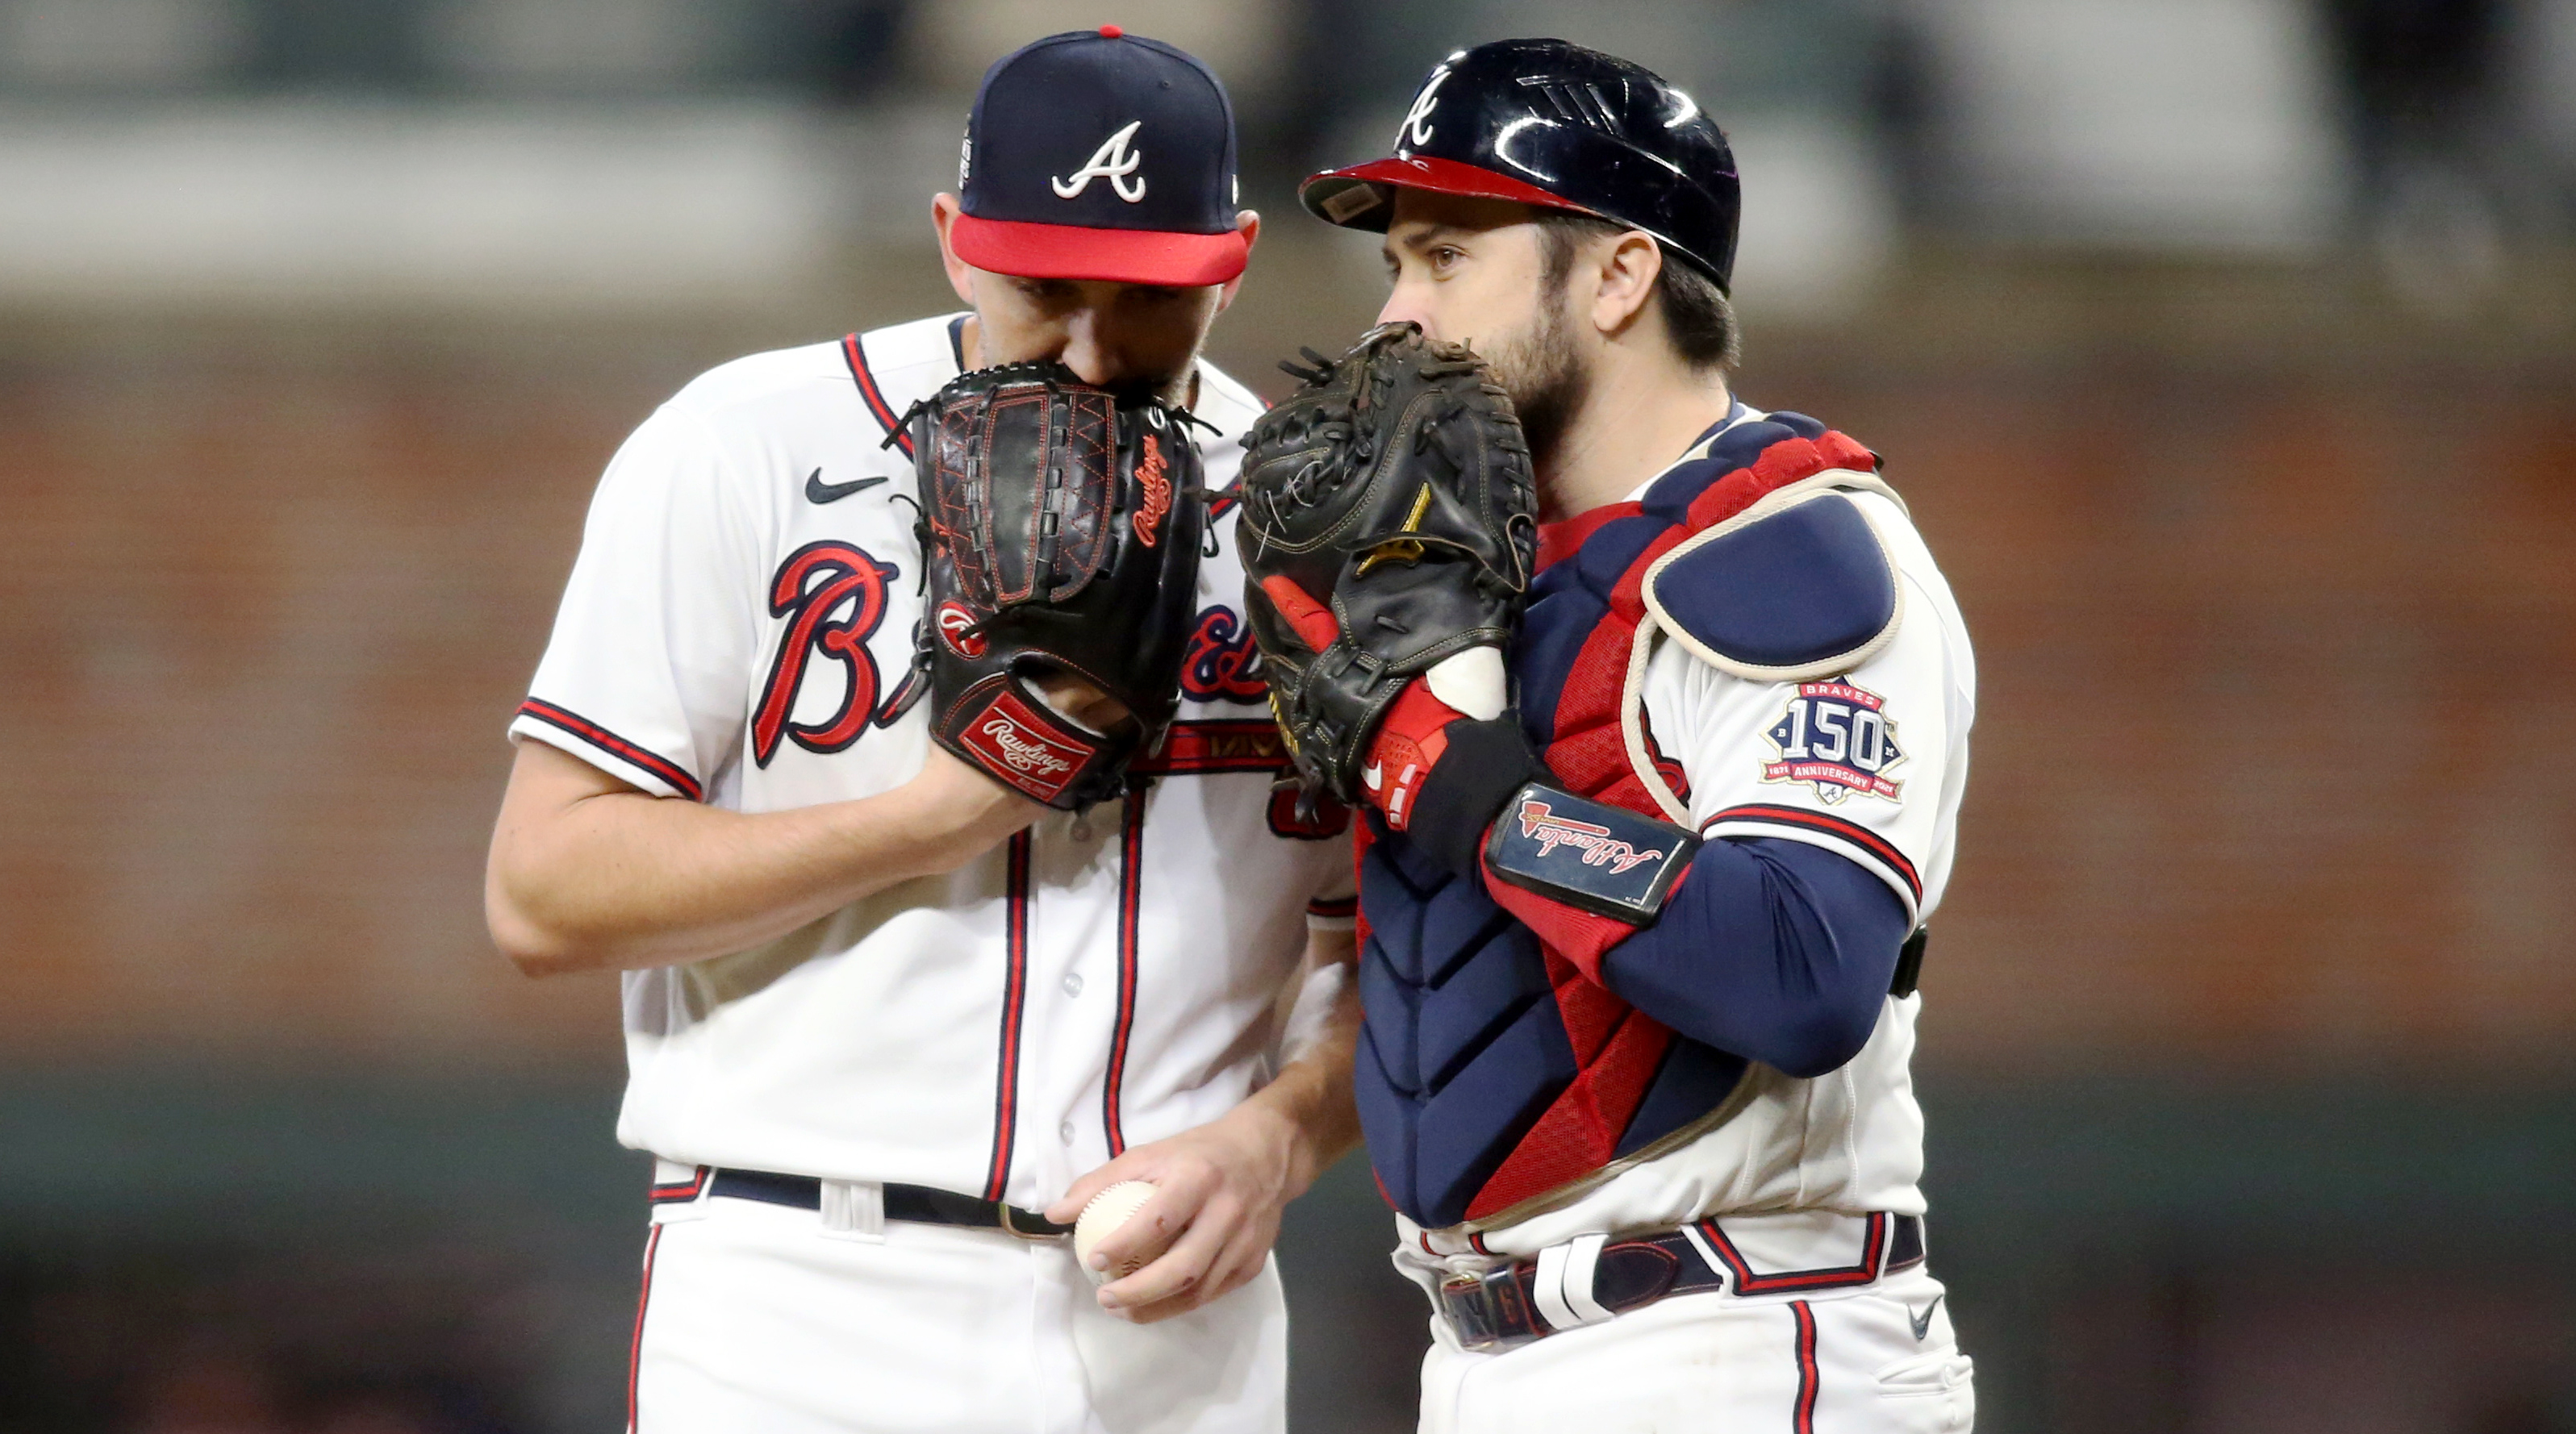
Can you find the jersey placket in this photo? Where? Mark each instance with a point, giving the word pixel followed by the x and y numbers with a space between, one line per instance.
pixel 1077 999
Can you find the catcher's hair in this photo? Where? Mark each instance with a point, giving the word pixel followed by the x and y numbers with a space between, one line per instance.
pixel 1697 317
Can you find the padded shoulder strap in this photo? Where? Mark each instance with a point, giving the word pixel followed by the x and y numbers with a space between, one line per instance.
pixel 1796 587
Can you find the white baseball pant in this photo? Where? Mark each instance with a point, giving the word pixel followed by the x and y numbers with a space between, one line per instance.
pixel 1842 1362
pixel 756 1317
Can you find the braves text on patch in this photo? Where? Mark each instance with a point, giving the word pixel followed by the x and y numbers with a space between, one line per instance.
pixel 1838 739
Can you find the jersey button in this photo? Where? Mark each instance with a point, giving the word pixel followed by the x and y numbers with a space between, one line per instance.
pixel 1065 1132
pixel 1073 983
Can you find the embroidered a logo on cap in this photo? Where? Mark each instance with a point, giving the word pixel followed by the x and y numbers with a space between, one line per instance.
pixel 1838 739
pixel 1114 162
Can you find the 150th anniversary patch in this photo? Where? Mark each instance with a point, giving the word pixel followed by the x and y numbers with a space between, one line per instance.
pixel 1838 739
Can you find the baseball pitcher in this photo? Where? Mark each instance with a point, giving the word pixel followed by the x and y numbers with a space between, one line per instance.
pixel 902 739
pixel 1657 709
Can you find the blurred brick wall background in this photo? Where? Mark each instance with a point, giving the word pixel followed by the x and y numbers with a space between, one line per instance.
pixel 2275 662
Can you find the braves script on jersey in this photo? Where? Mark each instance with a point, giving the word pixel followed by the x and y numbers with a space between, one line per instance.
pixel 735 630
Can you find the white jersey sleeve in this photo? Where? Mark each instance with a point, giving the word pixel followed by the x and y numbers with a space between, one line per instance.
pixel 644 676
pixel 1870 763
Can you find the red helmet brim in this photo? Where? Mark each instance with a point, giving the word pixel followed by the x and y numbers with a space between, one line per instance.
pixel 1361 197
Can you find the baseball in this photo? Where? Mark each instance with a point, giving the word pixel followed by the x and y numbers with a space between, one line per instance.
pixel 1107 1211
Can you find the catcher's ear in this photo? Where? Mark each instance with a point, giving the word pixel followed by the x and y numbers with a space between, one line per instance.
pixel 1248 224
pixel 1628 268
pixel 961 277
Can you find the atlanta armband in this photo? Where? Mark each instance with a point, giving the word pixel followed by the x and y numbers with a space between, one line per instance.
pixel 1589 855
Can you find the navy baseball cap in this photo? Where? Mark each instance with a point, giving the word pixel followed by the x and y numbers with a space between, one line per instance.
pixel 1098 154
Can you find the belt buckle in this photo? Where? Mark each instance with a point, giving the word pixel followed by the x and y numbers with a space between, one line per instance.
pixel 1035 1237
pixel 1477 1308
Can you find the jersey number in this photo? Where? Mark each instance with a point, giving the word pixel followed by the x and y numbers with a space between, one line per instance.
pixel 833 596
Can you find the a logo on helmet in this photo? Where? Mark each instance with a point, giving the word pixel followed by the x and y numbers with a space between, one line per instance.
pixel 1579 101
pixel 1416 129
pixel 1114 162
pixel 957 629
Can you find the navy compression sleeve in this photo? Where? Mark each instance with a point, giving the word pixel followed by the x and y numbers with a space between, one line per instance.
pixel 1775 950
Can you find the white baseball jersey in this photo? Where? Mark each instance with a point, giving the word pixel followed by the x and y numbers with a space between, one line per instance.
pixel 741 612
pixel 1871 765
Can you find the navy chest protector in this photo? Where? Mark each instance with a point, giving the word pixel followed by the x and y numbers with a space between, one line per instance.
pixel 1491 1071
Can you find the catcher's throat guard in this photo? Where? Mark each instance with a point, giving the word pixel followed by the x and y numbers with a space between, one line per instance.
pixel 1060 534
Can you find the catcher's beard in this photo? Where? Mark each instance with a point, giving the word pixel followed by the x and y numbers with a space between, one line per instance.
pixel 1545 374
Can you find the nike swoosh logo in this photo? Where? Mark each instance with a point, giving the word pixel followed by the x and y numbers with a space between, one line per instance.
pixel 818 491
pixel 1922 1322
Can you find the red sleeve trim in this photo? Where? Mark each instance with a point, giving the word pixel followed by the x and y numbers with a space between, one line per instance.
pixel 1869 841
pixel 1336 907
pixel 632 754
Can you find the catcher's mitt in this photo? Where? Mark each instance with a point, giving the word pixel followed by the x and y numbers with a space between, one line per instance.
pixel 1395 490
pixel 1060 533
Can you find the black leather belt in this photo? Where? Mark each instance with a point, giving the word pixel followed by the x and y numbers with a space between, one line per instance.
pixel 921 1204
pixel 1505 1306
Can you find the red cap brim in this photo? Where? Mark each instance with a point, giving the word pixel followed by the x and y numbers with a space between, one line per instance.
pixel 1329 195
pixel 1121 256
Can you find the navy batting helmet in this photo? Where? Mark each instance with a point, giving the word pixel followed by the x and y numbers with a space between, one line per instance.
pixel 1553 124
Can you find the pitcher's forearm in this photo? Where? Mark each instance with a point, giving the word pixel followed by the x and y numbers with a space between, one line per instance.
pixel 587 873
pixel 1312 1094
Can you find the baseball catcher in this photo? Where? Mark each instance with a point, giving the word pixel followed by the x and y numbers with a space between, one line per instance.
pixel 1651 810
pixel 1062 532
